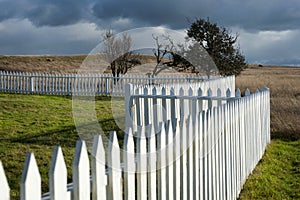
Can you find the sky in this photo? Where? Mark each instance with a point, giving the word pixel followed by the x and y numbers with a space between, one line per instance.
pixel 269 30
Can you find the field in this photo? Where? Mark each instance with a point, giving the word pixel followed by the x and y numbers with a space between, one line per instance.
pixel 277 176
pixel 37 123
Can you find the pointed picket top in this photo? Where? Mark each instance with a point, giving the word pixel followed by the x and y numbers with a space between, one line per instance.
pixel 172 91
pixel 81 175
pixel 4 187
pixel 265 89
pixel 209 92
pixel 31 179
pixel 238 93
pixel 247 92
pixel 219 92
pixel 58 175
pixel 257 90
pixel 98 169
pixel 114 167
pixel 146 90
pixel 154 90
pixel 228 93
pixel 190 91
pixel 181 91
pixel 98 151
pixel 113 151
pixel 200 92
pixel 129 165
pixel 163 90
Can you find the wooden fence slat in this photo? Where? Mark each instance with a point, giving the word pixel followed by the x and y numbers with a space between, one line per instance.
pixel 31 179
pixel 129 166
pixel 141 164
pixel 152 158
pixel 114 166
pixel 161 163
pixel 169 161
pixel 81 172
pixel 99 178
pixel 4 187
pixel 58 176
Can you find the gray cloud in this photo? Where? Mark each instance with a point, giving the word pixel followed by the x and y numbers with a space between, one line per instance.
pixel 269 30
pixel 250 15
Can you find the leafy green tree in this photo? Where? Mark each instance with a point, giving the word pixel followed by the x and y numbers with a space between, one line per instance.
pixel 220 44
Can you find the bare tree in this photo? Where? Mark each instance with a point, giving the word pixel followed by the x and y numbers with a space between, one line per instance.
pixel 118 52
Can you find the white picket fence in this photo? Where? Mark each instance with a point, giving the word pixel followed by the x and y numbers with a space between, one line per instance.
pixel 207 155
pixel 150 104
pixel 82 84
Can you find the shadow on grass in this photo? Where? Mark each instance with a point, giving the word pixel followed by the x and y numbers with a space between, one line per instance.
pixel 287 136
pixel 65 137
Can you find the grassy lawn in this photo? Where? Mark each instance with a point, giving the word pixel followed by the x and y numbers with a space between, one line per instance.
pixel 33 123
pixel 36 123
pixel 277 176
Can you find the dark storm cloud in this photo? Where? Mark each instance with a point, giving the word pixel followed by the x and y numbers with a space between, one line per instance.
pixel 45 13
pixel 251 15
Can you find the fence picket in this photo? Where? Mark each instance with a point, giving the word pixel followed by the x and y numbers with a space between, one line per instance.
pixel 58 176
pixel 114 166
pixel 81 172
pixel 31 179
pixel 99 179
pixel 4 187
pixel 129 166
pixel 152 164
pixel 141 164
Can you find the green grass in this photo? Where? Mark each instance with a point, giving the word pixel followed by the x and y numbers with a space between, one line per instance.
pixel 277 176
pixel 33 123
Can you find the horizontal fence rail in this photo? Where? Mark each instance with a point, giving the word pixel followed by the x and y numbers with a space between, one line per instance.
pixel 152 103
pixel 83 84
pixel 207 155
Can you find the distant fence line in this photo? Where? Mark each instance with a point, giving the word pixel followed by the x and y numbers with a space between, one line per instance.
pixel 83 84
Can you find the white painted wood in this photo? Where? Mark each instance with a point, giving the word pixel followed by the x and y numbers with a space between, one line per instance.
pixel 183 159
pixel 129 166
pixel 161 163
pixel 58 176
pixel 190 157
pixel 81 172
pixel 141 157
pixel 170 160
pixel 4 187
pixel 152 159
pixel 31 179
pixel 99 178
pixel 176 151
pixel 114 168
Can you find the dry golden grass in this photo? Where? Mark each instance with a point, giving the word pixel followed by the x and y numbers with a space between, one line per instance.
pixel 284 84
